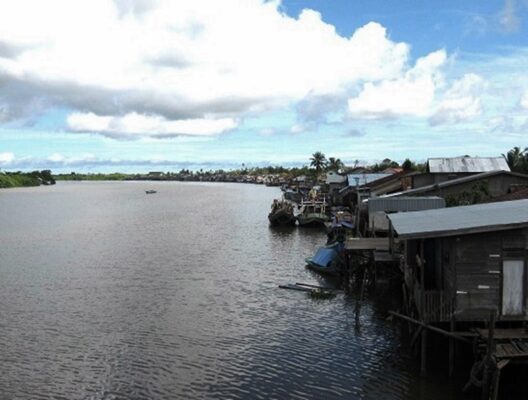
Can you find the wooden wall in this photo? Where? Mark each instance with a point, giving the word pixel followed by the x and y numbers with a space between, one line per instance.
pixel 478 271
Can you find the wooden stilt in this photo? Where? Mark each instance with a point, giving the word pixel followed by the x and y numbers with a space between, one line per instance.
pixel 451 349
pixel 486 376
pixel 496 378
pixel 423 371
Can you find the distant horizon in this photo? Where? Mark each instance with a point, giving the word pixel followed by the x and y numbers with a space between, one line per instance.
pixel 167 166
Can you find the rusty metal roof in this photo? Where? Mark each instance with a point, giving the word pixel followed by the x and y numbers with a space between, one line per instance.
pixel 461 220
pixel 467 164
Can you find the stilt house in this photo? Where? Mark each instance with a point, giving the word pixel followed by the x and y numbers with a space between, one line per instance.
pixel 460 263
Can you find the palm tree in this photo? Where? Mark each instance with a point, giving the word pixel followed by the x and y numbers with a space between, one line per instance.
pixel 318 161
pixel 334 164
pixel 516 158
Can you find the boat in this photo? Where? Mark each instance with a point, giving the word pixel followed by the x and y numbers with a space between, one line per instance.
pixel 312 213
pixel 281 213
pixel 342 225
pixel 328 259
pixel 150 191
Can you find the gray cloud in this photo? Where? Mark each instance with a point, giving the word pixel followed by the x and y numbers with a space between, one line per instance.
pixel 353 132
pixel 31 96
pixel 315 108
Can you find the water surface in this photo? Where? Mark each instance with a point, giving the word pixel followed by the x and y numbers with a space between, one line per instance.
pixel 109 293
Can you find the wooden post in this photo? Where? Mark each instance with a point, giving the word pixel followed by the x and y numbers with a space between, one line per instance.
pixel 486 375
pixel 451 349
pixel 496 378
pixel 423 371
pixel 346 277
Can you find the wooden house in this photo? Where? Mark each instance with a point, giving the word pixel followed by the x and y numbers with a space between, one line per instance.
pixel 471 189
pixel 462 263
pixel 379 207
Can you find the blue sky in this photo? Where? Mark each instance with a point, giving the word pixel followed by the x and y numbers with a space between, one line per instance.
pixel 152 85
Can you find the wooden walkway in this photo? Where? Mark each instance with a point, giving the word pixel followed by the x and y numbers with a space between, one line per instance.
pixel 355 244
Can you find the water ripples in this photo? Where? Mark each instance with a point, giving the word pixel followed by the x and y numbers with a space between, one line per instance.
pixel 175 296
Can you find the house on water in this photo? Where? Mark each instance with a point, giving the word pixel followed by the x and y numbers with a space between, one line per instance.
pixel 465 277
pixel 463 262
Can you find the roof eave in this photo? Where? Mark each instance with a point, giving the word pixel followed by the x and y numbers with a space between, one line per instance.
pixel 458 232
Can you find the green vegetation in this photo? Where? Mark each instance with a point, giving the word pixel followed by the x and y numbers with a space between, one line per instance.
pixel 20 179
pixel 318 161
pixel 479 192
pixel 517 159
pixel 115 176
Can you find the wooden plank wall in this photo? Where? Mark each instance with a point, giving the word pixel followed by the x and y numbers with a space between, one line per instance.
pixel 478 263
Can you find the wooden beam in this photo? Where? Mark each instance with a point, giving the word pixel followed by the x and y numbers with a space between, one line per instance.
pixel 431 328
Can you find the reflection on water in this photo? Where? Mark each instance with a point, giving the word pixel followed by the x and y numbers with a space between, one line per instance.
pixel 107 293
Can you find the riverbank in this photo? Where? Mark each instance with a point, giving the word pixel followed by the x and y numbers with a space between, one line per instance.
pixel 22 179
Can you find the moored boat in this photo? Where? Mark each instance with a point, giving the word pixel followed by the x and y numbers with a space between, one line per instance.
pixel 281 213
pixel 313 213
pixel 328 259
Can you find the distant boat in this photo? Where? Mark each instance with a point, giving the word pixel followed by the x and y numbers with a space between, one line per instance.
pixel 328 259
pixel 150 191
pixel 281 213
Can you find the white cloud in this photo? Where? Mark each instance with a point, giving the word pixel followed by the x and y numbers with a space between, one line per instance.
pixel 180 65
pixel 461 102
pixel 410 95
pixel 56 157
pixel 6 158
pixel 524 101
pixel 142 125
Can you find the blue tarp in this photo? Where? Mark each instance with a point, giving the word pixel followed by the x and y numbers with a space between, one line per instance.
pixel 326 254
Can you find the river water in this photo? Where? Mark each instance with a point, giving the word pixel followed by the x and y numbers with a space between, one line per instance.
pixel 109 293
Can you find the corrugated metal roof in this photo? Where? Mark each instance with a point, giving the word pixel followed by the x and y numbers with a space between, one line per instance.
pixel 467 164
pixel 365 178
pixel 461 220
pixel 404 204
pixel 458 181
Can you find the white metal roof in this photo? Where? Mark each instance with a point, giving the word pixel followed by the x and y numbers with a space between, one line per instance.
pixel 467 164
pixel 461 220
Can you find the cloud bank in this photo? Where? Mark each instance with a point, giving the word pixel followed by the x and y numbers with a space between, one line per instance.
pixel 163 68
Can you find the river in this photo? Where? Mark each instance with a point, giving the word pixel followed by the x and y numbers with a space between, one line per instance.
pixel 109 293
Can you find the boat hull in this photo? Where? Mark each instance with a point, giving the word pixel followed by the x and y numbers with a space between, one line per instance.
pixel 281 218
pixel 312 220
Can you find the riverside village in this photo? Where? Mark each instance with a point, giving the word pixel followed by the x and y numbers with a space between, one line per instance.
pixel 452 237
pixel 445 243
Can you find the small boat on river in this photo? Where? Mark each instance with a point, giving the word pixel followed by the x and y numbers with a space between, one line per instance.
pixel 150 191
pixel 281 213
pixel 328 259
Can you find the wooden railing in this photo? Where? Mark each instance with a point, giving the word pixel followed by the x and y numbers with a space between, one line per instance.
pixel 437 306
